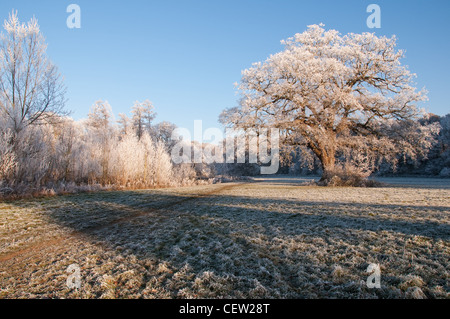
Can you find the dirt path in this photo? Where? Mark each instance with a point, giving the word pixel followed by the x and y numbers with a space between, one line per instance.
pixel 29 251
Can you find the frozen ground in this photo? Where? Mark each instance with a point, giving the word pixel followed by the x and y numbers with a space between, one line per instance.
pixel 272 238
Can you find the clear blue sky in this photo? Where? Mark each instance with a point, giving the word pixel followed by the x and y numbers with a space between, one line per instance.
pixel 185 56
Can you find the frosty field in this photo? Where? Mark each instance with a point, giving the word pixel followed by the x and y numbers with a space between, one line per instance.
pixel 270 238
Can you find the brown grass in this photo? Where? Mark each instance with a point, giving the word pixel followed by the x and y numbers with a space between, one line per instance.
pixel 256 240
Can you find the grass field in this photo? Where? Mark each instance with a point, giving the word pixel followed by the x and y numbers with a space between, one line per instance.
pixel 271 238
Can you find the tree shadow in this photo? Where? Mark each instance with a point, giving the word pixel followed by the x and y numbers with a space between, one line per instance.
pixel 289 246
pixel 160 212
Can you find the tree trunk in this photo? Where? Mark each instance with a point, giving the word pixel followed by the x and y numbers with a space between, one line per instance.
pixel 328 160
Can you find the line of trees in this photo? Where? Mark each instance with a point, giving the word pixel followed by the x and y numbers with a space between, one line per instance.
pixel 437 161
pixel 64 154
pixel 41 147
pixel 434 163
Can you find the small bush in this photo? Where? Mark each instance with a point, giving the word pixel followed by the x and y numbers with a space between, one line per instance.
pixel 347 176
pixel 445 172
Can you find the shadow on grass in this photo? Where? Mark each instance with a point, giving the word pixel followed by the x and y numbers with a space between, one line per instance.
pixel 105 216
pixel 289 246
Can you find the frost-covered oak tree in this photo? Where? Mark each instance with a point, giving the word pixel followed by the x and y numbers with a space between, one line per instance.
pixel 31 89
pixel 335 96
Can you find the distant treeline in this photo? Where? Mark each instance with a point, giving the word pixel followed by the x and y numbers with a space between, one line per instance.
pixel 436 163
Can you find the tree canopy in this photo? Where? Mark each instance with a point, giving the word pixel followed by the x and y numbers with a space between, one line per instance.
pixel 31 89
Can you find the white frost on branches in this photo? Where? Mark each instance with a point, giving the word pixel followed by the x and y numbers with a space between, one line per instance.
pixel 333 94
pixel 31 89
